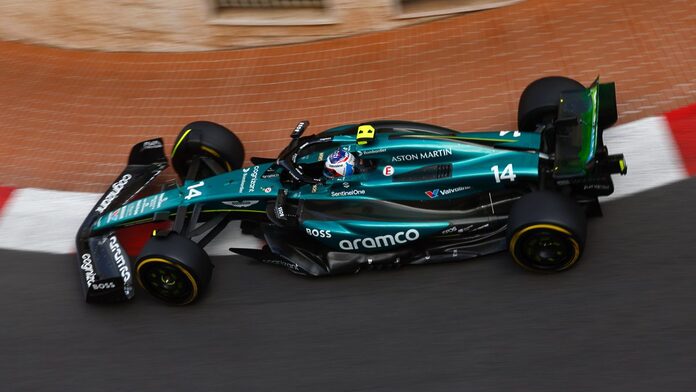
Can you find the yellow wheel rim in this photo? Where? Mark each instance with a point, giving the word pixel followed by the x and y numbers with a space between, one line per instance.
pixel 165 279
pixel 568 236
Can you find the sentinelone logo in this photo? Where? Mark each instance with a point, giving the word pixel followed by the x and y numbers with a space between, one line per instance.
pixel 401 237
pixel 353 192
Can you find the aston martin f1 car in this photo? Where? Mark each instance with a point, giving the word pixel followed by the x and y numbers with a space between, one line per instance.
pixel 420 194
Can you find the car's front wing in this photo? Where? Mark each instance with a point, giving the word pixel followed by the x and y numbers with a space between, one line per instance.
pixel 105 269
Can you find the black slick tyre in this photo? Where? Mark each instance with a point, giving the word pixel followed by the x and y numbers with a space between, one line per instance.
pixel 205 138
pixel 539 101
pixel 546 232
pixel 174 269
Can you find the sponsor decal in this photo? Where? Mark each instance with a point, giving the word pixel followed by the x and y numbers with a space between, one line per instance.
pixel 280 213
pixel 314 188
pixel 596 187
pixel 161 200
pixel 103 286
pixel 113 215
pixel 388 170
pixel 151 144
pixel 433 194
pixel 121 262
pixel 346 184
pixel 242 182
pixel 450 230
pixel 281 263
pixel 370 152
pixel 252 182
pixel 267 189
pixel 401 237
pixel 192 191
pixel 321 156
pixel 241 204
pixel 318 233
pixel 352 192
pixel 444 192
pixel 423 155
pixel 116 189
pixel 299 127
pixel 87 266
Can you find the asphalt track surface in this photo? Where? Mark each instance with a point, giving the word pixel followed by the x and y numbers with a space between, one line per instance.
pixel 622 320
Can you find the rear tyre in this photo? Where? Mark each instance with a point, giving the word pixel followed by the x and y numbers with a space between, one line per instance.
pixel 539 101
pixel 174 269
pixel 206 139
pixel 546 232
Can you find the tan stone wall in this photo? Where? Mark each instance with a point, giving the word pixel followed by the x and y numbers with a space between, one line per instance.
pixel 191 25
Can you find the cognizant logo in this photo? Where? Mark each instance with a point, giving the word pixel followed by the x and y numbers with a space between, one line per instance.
pixel 401 237
pixel 116 188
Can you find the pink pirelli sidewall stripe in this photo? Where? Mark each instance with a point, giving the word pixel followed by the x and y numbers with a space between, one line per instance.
pixel 658 150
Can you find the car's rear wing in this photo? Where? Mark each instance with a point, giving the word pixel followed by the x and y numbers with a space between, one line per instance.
pixel 582 117
pixel 104 266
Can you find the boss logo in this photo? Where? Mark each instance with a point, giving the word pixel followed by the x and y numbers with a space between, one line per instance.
pixel 318 233
pixel 103 286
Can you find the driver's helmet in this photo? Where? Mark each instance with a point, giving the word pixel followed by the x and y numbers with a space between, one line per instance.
pixel 340 163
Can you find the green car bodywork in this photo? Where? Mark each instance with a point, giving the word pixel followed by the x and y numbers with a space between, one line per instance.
pixel 476 162
pixel 404 168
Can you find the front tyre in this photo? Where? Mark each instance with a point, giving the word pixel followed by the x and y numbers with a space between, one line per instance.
pixel 174 269
pixel 546 232
pixel 206 139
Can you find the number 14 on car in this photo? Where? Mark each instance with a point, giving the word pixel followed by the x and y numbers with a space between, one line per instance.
pixel 507 174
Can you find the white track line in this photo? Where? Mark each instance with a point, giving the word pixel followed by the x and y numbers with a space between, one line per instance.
pixel 651 154
pixel 43 220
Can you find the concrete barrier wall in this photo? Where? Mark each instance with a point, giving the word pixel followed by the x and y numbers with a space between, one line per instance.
pixel 191 25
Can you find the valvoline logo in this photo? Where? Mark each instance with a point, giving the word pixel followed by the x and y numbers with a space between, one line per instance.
pixel 433 194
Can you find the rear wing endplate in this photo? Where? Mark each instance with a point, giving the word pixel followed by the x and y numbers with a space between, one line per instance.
pixel 582 117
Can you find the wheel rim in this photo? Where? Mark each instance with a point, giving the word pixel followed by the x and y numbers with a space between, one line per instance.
pixel 167 281
pixel 545 248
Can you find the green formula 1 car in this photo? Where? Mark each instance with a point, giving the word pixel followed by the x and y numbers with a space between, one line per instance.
pixel 414 194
